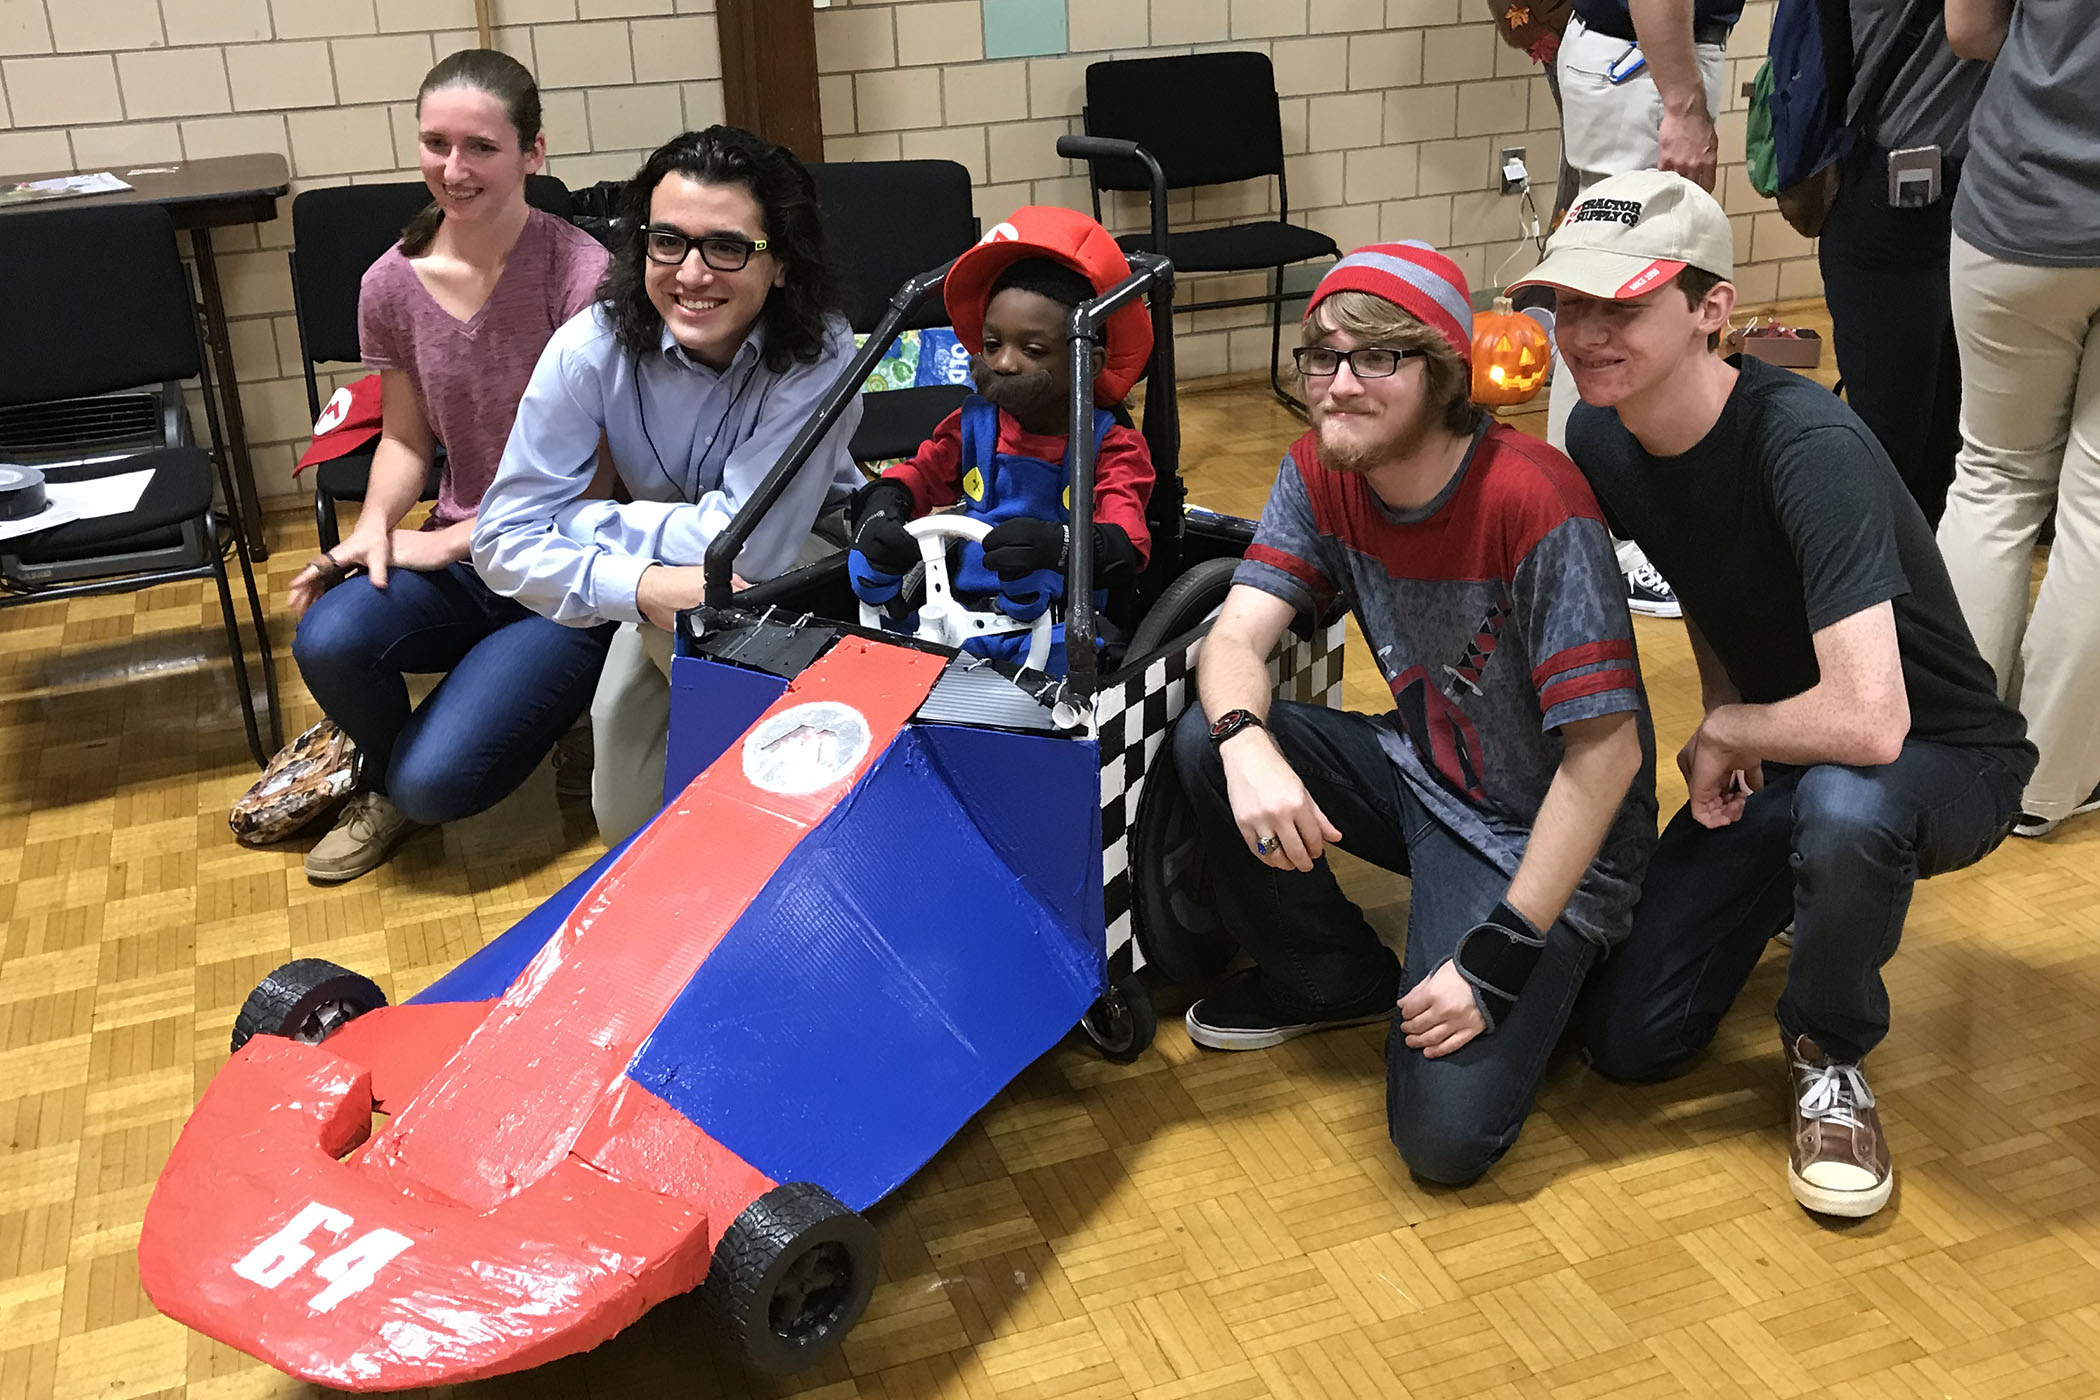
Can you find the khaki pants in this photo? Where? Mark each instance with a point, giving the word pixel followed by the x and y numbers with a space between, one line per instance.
pixel 2030 429
pixel 1610 128
pixel 630 729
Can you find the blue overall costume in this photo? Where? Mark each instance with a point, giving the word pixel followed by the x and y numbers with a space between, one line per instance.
pixel 998 486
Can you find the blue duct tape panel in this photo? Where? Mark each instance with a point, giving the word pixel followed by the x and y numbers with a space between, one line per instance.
pixel 488 974
pixel 917 951
pixel 712 704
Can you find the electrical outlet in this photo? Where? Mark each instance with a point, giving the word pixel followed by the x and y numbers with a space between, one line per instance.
pixel 1516 179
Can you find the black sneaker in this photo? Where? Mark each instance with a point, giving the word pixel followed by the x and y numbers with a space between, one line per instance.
pixel 2027 824
pixel 1240 1015
pixel 1649 593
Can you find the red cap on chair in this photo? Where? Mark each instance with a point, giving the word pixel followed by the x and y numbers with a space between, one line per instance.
pixel 350 419
pixel 1068 237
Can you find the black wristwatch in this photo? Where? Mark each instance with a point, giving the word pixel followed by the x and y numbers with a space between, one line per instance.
pixel 1231 723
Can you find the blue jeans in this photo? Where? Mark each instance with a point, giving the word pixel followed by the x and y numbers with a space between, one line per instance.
pixel 1451 1118
pixel 1836 850
pixel 514 682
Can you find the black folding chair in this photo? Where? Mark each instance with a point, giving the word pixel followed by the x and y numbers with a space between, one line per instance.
pixel 886 222
pixel 73 330
pixel 337 234
pixel 1209 119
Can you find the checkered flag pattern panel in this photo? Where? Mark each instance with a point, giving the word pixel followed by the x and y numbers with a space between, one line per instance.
pixel 1133 713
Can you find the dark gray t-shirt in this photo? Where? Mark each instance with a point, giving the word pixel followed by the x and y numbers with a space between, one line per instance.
pixel 1932 93
pixel 1785 518
pixel 2031 190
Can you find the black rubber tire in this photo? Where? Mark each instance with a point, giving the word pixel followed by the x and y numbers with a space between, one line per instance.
pixel 793 1273
pixel 1184 606
pixel 308 999
pixel 1122 1023
pixel 1174 909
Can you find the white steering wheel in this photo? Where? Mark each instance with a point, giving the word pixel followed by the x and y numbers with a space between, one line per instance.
pixel 944 620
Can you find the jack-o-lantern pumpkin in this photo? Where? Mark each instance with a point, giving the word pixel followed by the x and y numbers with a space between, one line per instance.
pixel 1510 356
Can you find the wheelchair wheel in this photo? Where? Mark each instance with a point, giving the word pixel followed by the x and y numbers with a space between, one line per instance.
pixel 1186 604
pixel 1175 913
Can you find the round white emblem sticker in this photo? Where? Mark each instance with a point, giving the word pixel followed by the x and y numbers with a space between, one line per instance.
pixel 806 748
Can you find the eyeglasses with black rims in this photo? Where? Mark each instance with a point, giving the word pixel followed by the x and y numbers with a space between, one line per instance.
pixel 720 251
pixel 1365 361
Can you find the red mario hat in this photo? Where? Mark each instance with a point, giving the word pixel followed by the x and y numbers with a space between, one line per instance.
pixel 350 419
pixel 1068 237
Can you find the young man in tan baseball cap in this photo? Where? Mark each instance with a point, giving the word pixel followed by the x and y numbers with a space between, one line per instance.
pixel 1853 740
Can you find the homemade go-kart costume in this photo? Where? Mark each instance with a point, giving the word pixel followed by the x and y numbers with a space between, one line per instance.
pixel 1000 472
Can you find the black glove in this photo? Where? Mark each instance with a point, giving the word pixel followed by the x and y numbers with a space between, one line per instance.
pixel 1497 956
pixel 1018 547
pixel 1115 557
pixel 880 510
pixel 1023 545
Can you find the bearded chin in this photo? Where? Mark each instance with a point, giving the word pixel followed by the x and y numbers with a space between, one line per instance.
pixel 1353 453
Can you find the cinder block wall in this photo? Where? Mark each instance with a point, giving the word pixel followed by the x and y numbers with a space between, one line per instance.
pixel 1393 111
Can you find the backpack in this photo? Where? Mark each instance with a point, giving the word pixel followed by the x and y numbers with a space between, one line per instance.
pixel 1797 138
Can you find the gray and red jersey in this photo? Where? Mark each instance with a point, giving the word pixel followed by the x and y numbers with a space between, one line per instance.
pixel 1497 614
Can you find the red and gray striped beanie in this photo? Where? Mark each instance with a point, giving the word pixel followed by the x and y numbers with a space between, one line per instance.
pixel 1414 277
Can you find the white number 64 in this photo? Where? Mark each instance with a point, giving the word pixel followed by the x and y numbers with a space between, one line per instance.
pixel 349 1270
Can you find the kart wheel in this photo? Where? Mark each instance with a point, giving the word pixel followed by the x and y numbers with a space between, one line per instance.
pixel 307 1000
pixel 1186 604
pixel 1175 911
pixel 1122 1023
pixel 792 1274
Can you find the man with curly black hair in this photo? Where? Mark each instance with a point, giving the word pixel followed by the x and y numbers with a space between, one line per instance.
pixel 715 334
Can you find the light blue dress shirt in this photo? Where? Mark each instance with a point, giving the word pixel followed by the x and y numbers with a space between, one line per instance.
pixel 691 444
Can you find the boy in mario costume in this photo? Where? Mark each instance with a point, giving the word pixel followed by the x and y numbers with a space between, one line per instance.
pixel 1003 454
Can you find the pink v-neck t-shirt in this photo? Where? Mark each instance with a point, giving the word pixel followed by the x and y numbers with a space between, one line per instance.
pixel 469 375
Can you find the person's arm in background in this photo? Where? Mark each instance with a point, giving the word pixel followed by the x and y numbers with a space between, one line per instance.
pixel 1976 28
pixel 1688 142
pixel 400 466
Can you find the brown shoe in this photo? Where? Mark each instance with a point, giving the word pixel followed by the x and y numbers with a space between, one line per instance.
pixel 364 836
pixel 1840 1160
pixel 573 753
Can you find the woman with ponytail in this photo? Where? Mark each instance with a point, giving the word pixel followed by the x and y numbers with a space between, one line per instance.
pixel 453 319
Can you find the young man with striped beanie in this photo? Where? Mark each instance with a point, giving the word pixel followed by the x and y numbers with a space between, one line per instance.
pixel 1512 780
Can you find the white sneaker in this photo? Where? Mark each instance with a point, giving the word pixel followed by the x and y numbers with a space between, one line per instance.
pixel 1649 593
pixel 2027 824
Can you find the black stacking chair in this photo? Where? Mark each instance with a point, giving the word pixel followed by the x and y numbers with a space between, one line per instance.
pixel 887 221
pixel 336 234
pixel 99 301
pixel 1209 119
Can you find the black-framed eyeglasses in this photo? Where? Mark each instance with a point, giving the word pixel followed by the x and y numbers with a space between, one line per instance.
pixel 1365 361
pixel 719 251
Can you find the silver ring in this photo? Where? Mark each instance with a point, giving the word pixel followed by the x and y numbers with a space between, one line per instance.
pixel 1267 845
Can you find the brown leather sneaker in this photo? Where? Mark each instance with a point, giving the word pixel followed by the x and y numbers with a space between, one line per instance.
pixel 1840 1160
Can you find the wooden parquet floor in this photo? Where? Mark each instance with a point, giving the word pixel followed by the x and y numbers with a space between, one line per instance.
pixel 1193 1226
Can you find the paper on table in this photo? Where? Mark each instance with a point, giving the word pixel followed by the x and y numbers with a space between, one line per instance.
pixel 61 187
pixel 44 519
pixel 108 495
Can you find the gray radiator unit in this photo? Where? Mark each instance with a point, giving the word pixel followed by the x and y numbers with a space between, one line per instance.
pixel 76 432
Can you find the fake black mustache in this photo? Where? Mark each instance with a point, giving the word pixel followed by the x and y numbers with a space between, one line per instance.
pixel 1011 391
